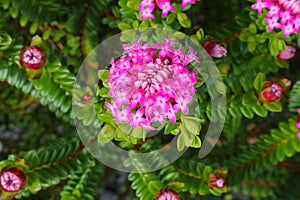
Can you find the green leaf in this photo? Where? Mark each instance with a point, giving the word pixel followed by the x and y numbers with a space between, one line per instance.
pixel 176 186
pixel 24 20
pixel 203 189
pixel 170 127
pixel 5 3
pixel 5 39
pixel 124 26
pixel 155 186
pixel 183 20
pixel 260 110
pixel 33 27
pixel 273 106
pixel 103 75
pixel 200 34
pixel 252 29
pixel 135 24
pixel 259 80
pixel 196 142
pixel 180 142
pixel 249 99
pixel 247 112
pixel 251 46
pixel 170 18
pixel 106 134
pixel 33 183
pixel 206 172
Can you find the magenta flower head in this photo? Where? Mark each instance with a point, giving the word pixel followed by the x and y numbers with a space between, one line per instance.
pixel 150 83
pixel 215 50
pixel 12 179
pixel 281 14
pixel 288 53
pixel 167 195
pixel 216 180
pixel 32 58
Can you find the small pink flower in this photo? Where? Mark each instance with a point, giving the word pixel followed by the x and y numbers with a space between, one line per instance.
pixel 288 53
pixel 215 50
pixel 298 110
pixel 166 7
pixel 167 195
pixel 216 180
pixel 259 5
pixel 32 58
pixel 12 179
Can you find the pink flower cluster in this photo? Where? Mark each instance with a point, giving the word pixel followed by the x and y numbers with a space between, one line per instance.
pixel 282 14
pixel 298 122
pixel 147 6
pixel 150 83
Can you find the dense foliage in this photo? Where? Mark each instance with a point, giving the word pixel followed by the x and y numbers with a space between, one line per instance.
pixel 255 45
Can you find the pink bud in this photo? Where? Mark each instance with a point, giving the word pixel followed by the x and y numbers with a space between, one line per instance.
pixel 288 53
pixel 216 180
pixel 86 98
pixel 271 91
pixel 298 110
pixel 12 179
pixel 32 58
pixel 166 195
pixel 215 50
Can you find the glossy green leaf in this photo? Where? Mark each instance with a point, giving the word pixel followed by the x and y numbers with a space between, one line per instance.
pixel 183 20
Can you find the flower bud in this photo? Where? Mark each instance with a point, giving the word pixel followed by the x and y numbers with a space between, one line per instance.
pixel 167 194
pixel 271 91
pixel 12 179
pixel 288 53
pixel 86 98
pixel 32 58
pixel 284 82
pixel 215 50
pixel 216 180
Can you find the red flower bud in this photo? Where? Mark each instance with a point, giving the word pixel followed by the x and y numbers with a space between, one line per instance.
pixel 12 179
pixel 86 98
pixel 32 58
pixel 215 50
pixel 271 91
pixel 167 194
pixel 288 53
pixel 216 180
